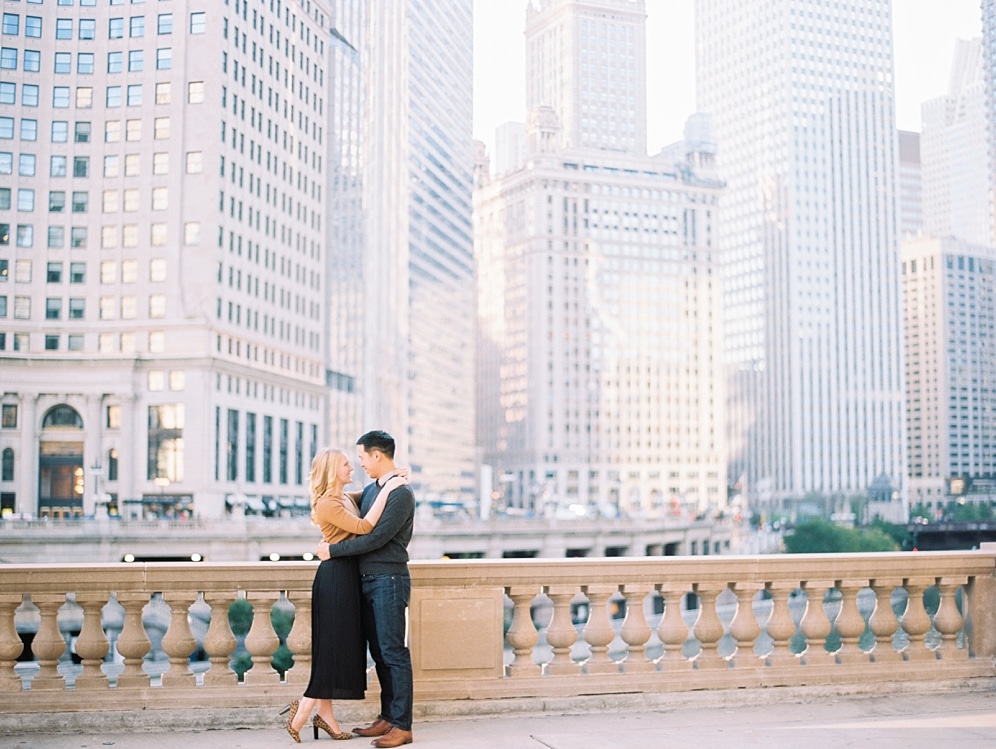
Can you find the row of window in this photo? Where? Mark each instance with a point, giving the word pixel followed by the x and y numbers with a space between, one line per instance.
pixel 107 343
pixel 55 274
pixel 58 165
pixel 110 236
pixel 86 28
pixel 28 131
pixel 114 96
pixel 112 201
pixel 76 309
pixel 85 64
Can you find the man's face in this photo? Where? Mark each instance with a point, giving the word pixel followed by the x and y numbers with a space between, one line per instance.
pixel 370 462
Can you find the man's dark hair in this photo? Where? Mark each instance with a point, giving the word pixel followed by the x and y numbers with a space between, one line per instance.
pixel 378 440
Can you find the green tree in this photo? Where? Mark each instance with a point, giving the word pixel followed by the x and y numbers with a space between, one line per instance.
pixel 821 536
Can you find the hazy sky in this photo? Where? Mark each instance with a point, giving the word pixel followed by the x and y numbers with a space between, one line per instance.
pixel 924 38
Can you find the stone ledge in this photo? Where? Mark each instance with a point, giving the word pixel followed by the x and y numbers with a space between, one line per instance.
pixel 160 720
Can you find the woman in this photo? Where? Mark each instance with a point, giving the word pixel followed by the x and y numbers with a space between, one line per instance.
pixel 338 650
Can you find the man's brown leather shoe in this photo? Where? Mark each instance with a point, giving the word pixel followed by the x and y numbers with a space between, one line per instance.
pixel 394 737
pixel 378 728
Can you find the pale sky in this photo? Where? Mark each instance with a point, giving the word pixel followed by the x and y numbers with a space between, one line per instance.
pixel 924 39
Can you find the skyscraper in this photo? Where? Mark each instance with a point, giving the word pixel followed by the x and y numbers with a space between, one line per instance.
pixel 956 199
pixel 988 8
pixel 910 185
pixel 801 97
pixel 588 62
pixel 401 251
pixel 948 299
pixel 600 376
pixel 162 260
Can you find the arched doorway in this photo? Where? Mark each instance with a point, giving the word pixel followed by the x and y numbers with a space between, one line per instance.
pixel 60 464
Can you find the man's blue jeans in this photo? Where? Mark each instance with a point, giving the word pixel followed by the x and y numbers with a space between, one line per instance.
pixel 385 598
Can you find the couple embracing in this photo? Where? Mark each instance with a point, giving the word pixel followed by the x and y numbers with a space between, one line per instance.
pixel 360 593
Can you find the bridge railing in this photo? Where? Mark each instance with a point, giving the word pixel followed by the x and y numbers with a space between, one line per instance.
pixel 121 636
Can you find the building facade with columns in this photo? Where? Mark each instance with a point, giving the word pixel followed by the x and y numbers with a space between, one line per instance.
pixel 162 261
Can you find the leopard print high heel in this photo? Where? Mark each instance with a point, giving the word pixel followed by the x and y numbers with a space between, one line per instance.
pixel 292 708
pixel 319 722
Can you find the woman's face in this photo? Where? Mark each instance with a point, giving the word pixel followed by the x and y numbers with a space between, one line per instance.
pixel 345 472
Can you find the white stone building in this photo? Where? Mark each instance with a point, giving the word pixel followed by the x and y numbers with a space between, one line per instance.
pixel 162 261
pixel 949 300
pixel 600 381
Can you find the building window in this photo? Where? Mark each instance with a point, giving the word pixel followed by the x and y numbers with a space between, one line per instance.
pixel 251 447
pixel 81 166
pixel 115 62
pixel 232 446
pixel 56 237
pixel 164 58
pixel 51 342
pixel 165 23
pixel 284 427
pixel 84 97
pixel 136 60
pixel 198 23
pixel 64 28
pixel 32 64
pixel 161 128
pixel 78 237
pixel 113 416
pixel 77 272
pixel 63 62
pixel 77 308
pixel 9 415
pixel 112 464
pixel 136 26
pixel 81 201
pixel 7 472
pixel 33 27
pixel 8 58
pixel 87 29
pixel 160 165
pixel 22 308
pixel 195 162
pixel 53 273
pixel 84 63
pixel 163 95
pixel 74 342
pixel 267 449
pixel 53 308
pixel 165 445
pixel 57 166
pixel 29 95
pixel 157 306
pixel 135 95
pixel 195 92
pixel 115 28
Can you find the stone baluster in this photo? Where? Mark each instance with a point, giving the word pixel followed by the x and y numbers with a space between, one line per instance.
pixel 133 643
pixel 522 634
pixel 561 633
pixel 10 644
pixel 744 627
pixel 849 622
pixel 672 630
pixel 92 645
pixel 219 642
pixel 816 624
pixel 299 641
pixel 948 620
pixel 635 630
pixel 49 644
pixel 883 622
pixel 916 621
pixel 780 626
pixel 179 642
pixel 708 628
pixel 598 631
pixel 262 641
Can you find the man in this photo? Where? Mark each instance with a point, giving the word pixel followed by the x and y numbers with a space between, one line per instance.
pixel 385 590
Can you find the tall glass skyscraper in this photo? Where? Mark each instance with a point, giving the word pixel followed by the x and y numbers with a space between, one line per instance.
pixel 401 260
pixel 801 96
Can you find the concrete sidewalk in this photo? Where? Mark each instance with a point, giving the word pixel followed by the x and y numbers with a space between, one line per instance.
pixel 756 719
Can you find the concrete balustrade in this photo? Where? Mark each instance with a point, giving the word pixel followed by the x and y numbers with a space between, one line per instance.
pixel 490 629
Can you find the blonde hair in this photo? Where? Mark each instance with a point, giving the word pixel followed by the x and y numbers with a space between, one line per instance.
pixel 324 480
